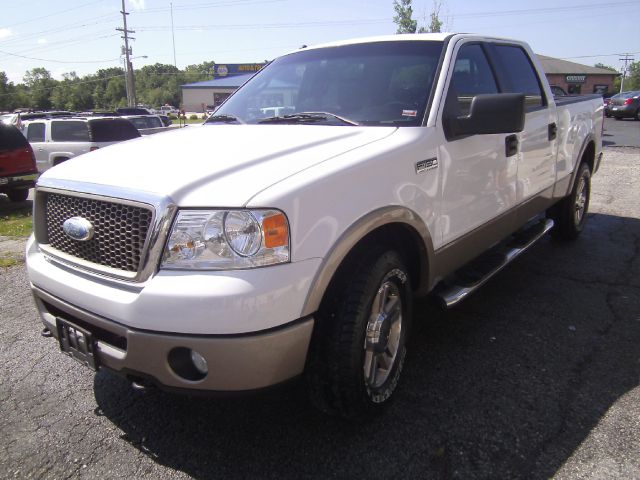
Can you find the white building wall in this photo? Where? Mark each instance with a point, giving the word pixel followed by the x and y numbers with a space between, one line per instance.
pixel 196 99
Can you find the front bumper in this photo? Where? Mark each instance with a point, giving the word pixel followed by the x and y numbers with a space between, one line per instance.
pixel 19 181
pixel 236 362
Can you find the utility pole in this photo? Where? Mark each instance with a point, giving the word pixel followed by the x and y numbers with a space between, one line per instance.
pixel 130 83
pixel 173 36
pixel 626 59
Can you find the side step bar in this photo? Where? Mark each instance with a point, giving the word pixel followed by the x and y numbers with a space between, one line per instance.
pixel 451 294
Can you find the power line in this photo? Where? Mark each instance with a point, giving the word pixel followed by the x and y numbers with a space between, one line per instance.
pixel 53 14
pixel 599 55
pixel 19 38
pixel 59 61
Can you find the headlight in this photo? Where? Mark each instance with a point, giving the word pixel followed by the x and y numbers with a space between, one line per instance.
pixel 227 239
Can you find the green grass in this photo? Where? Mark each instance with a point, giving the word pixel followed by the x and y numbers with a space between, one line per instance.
pixel 15 220
pixel 8 260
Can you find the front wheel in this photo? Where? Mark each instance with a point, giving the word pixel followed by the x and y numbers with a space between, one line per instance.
pixel 361 334
pixel 19 195
pixel 570 214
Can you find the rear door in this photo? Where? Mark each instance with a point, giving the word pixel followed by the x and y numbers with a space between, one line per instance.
pixel 536 158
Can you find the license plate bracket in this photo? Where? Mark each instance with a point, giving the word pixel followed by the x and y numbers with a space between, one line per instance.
pixel 77 342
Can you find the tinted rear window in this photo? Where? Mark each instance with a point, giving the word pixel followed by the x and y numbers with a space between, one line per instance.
pixel 146 122
pixel 11 138
pixel 69 132
pixel 112 130
pixel 35 132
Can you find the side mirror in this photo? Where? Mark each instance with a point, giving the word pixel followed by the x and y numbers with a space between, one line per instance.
pixel 488 113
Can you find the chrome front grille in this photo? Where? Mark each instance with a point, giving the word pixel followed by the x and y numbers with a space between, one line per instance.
pixel 120 230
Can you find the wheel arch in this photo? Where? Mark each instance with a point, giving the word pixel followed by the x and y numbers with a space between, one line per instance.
pixel 587 154
pixel 398 227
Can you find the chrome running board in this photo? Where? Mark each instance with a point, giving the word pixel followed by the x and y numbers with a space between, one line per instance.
pixel 450 295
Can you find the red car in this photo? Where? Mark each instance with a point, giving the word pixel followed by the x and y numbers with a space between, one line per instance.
pixel 18 172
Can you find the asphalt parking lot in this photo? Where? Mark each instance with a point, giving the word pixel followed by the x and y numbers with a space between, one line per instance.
pixel 535 376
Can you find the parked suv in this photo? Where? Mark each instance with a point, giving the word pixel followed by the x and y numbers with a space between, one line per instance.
pixel 626 104
pixel 18 171
pixel 56 140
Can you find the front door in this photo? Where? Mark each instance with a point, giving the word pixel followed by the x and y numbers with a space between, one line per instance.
pixel 478 178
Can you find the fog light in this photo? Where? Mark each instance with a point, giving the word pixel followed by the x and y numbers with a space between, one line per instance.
pixel 199 362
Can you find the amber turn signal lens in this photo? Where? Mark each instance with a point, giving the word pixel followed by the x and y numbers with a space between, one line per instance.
pixel 276 231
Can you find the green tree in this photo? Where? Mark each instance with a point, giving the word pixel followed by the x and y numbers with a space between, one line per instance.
pixel 404 16
pixel 115 94
pixel 40 84
pixel 406 23
pixel 435 25
pixel 7 93
pixel 632 79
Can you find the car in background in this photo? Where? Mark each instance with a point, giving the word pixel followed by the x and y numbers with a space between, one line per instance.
pixel 625 105
pixel 17 117
pixel 18 172
pixel 168 110
pixel 132 111
pixel 607 104
pixel 147 124
pixel 165 120
pixel 558 91
pixel 57 140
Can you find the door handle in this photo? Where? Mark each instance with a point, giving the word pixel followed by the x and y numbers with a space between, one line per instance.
pixel 553 131
pixel 511 145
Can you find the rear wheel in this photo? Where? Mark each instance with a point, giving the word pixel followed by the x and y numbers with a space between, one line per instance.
pixel 360 339
pixel 59 160
pixel 18 195
pixel 570 214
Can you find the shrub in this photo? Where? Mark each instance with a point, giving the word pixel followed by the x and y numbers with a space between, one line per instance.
pixel 193 117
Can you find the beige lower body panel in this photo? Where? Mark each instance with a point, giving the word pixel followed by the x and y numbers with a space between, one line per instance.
pixel 461 251
pixel 236 363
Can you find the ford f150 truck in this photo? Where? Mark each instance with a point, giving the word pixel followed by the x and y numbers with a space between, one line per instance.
pixel 258 247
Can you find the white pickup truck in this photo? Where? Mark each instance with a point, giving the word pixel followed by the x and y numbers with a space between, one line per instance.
pixel 254 249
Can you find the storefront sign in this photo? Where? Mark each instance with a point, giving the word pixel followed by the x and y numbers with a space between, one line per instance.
pixel 576 78
pixel 236 68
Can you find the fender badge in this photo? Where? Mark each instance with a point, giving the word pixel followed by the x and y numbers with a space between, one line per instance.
pixel 425 165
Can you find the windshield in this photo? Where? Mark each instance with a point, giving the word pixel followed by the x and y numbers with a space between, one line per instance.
pixel 385 83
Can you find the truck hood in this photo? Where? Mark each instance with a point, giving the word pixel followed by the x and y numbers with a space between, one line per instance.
pixel 213 165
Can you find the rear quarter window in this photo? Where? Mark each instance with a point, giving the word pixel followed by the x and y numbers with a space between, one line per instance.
pixel 69 131
pixel 11 138
pixel 112 130
pixel 35 132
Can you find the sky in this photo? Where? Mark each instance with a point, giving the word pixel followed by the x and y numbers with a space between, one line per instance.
pixel 80 35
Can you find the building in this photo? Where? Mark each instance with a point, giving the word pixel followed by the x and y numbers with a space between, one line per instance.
pixel 576 78
pixel 201 96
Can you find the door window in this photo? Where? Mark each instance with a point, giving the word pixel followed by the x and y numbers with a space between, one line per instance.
pixel 472 75
pixel 520 75
pixel 35 132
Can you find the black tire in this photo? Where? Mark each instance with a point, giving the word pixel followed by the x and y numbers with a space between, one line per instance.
pixel 637 117
pixel 18 195
pixel 570 214
pixel 618 118
pixel 58 161
pixel 345 336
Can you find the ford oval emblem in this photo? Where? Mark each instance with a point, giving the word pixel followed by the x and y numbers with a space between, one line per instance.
pixel 78 228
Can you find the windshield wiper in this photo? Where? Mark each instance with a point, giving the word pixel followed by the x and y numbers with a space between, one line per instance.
pixel 307 117
pixel 222 119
